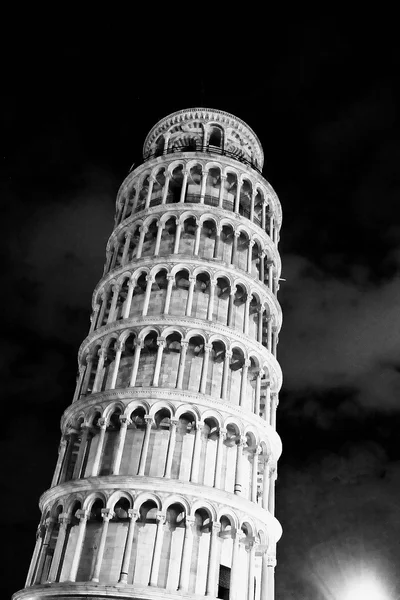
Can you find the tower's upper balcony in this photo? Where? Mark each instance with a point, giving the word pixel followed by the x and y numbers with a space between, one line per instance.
pixel 205 130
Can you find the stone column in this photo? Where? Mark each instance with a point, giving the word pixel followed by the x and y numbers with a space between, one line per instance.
pixel 231 305
pixel 71 435
pixel 99 450
pixel 250 255
pixel 212 561
pixel 149 192
pixel 270 265
pixel 111 314
pixel 236 569
pixel 120 447
pixel 263 213
pixel 160 350
pixel 225 373
pixel 64 522
pixel 268 403
pixel 128 237
pixel 104 298
pixel 264 578
pixel 128 301
pixel 271 490
pixel 258 393
pixel 239 466
pixel 184 576
pixel 107 514
pixel 166 188
pixel 181 368
pixel 50 524
pixel 136 358
pixel 221 191
pixel 61 454
pixel 109 255
pixel 34 558
pixel 150 281
pixel 102 354
pixel 184 185
pixel 274 406
pixel 265 492
pixel 93 318
pixel 194 474
pixel 252 555
pixel 219 457
pixel 254 475
pixel 262 266
pixel 204 370
pixel 269 334
pixel 260 324
pixel 171 279
pixel 79 382
pixel 203 186
pixel 271 576
pixel 237 197
pixel 274 340
pixel 81 453
pixel 246 315
pixel 177 236
pixel 210 308
pixel 271 226
pixel 236 235
pixel 114 256
pixel 253 195
pixel 155 565
pixel 83 516
pixel 217 242
pixel 197 238
pixel 243 385
pixel 171 446
pixel 143 231
pixel 189 302
pixel 145 447
pixel 118 347
pixel 126 559
pixel 158 238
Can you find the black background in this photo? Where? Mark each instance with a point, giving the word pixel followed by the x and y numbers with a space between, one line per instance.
pixel 322 95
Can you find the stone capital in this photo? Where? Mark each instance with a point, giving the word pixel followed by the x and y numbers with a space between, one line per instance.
pixel 102 423
pixel 161 342
pixel 133 514
pixel 125 421
pixel 149 420
pixel 119 346
pixel 107 514
pixel 82 515
pixel 174 421
pixel 160 518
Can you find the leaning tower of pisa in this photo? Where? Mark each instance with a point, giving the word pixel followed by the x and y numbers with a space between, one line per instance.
pixel 164 483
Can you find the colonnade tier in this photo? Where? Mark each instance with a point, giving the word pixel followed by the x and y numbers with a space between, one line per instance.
pixel 208 130
pixel 137 407
pixel 183 288
pixel 176 235
pixel 220 183
pixel 76 519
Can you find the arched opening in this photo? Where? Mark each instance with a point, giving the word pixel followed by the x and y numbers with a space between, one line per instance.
pixel 215 139
pixel 258 207
pixel 207 239
pixel 254 316
pixel 179 293
pixel 242 251
pixel 91 541
pixel 239 307
pixel 168 237
pixel 228 473
pixel 171 552
pixel 108 367
pixel 133 442
pixel 208 455
pixel 69 544
pixel 213 184
pixel 158 187
pixel 221 300
pixel 144 188
pixel 130 202
pixel 158 447
pixel 123 293
pixel 115 542
pixel 225 252
pixel 175 185
pixel 158 293
pixel 110 443
pixel 159 146
pixel 150 237
pixel 170 361
pixel 201 549
pixel 245 199
pixel 215 369
pixel 184 444
pixel 188 235
pixel 147 360
pixel 230 190
pixel 201 296
pixel 235 375
pixel 136 308
pixel 194 185
pixel 256 260
pixel 126 362
pixel 193 364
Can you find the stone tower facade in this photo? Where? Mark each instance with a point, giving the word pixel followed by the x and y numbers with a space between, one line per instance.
pixel 164 484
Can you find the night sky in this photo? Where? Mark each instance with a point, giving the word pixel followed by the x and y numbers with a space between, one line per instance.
pixel 323 100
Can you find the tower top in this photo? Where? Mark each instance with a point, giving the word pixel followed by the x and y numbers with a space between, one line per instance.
pixel 205 129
